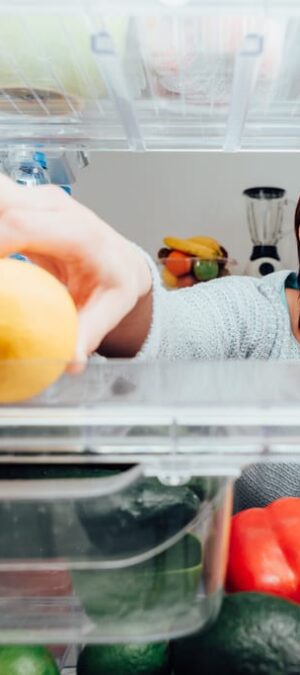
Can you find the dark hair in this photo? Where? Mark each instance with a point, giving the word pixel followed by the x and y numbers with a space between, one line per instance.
pixel 297 230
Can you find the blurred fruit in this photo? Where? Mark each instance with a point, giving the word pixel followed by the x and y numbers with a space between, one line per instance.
pixel 223 272
pixel 138 519
pixel 151 598
pixel 128 659
pixel 191 248
pixel 186 281
pixel 178 263
pixel 224 252
pixel 163 253
pixel 204 270
pixel 169 279
pixel 254 634
pixel 26 660
pixel 38 326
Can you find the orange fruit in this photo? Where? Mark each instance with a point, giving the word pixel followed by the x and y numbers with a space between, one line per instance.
pixel 178 263
pixel 38 328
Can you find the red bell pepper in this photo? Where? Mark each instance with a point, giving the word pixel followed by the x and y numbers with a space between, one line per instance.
pixel 264 550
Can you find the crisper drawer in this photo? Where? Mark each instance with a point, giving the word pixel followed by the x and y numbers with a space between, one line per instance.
pixel 116 492
pixel 109 556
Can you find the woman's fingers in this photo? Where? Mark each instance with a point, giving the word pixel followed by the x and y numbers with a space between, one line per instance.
pixel 71 242
pixel 48 197
pixel 40 232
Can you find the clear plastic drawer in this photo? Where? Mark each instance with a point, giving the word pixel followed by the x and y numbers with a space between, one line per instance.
pixel 116 493
pixel 114 557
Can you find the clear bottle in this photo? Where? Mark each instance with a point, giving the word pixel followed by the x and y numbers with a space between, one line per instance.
pixel 28 168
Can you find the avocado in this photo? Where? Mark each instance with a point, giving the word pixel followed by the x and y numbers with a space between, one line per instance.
pixel 138 518
pixel 128 659
pixel 127 523
pixel 255 634
pixel 155 597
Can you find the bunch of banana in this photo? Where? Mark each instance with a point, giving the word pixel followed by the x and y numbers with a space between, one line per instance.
pixel 188 261
pixel 205 248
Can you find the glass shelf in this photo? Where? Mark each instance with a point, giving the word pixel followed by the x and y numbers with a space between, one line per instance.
pixel 171 417
pixel 150 74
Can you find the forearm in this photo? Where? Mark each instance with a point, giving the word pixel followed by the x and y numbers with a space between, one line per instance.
pixel 198 322
pixel 126 340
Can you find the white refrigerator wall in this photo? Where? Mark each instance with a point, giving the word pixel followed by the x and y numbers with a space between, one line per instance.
pixel 147 196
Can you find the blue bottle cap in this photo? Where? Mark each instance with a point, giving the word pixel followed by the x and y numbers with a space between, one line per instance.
pixel 67 188
pixel 41 159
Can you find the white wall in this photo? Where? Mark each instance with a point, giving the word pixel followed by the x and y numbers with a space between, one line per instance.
pixel 147 196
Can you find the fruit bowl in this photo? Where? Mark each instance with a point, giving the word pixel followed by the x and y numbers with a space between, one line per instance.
pixel 186 262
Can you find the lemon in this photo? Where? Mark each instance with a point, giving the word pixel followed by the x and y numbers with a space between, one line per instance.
pixel 26 660
pixel 38 327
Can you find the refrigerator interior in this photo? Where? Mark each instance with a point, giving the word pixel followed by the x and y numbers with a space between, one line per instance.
pixel 140 75
pixel 116 494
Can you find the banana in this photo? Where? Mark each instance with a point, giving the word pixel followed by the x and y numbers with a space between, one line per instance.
pixel 169 279
pixel 191 248
pixel 207 241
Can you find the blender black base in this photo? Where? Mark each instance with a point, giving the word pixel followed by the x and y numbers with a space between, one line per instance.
pixel 264 252
pixel 264 260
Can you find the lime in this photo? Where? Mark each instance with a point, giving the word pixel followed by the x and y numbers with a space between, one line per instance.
pixel 26 660
pixel 204 270
pixel 130 659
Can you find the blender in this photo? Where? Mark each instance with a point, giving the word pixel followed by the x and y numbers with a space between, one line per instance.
pixel 265 214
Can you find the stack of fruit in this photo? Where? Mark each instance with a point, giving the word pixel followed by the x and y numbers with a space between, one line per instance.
pixel 186 262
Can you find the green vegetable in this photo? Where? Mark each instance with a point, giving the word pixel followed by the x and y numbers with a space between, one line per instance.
pixel 153 597
pixel 204 270
pixel 137 518
pixel 255 634
pixel 130 659
pixel 26 660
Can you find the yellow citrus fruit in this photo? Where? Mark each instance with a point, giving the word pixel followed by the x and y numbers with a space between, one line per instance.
pixel 38 329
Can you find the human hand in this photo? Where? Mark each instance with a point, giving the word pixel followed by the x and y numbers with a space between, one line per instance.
pixel 105 274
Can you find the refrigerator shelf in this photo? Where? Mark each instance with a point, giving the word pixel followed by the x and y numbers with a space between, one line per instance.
pixel 173 418
pixel 150 75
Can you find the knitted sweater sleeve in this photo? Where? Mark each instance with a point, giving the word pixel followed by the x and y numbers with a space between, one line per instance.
pixel 211 321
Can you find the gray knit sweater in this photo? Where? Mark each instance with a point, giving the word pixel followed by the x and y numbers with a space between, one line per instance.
pixel 231 318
